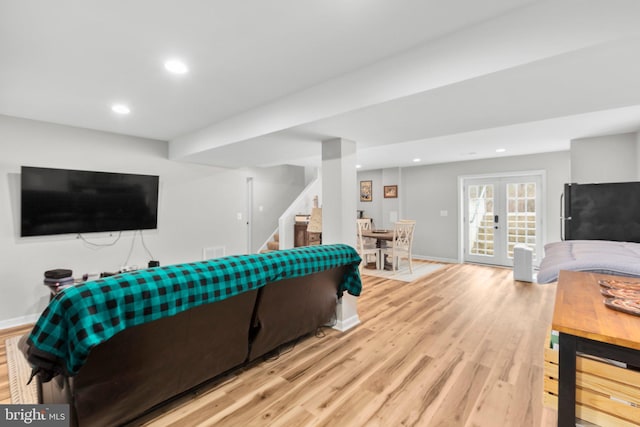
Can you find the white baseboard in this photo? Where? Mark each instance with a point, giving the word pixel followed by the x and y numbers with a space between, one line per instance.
pixel 435 259
pixel 19 321
pixel 346 324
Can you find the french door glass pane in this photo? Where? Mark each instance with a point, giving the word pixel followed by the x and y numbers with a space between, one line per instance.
pixel 521 216
pixel 481 206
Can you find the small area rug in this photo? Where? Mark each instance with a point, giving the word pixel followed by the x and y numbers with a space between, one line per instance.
pixel 19 373
pixel 420 269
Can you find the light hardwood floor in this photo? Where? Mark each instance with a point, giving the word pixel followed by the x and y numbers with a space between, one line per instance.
pixel 460 347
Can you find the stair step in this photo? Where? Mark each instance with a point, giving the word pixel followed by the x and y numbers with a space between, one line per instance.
pixel 274 246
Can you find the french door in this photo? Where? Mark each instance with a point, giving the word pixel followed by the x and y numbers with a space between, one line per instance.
pixel 499 213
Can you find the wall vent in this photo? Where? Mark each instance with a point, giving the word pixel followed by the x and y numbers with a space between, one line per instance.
pixel 213 252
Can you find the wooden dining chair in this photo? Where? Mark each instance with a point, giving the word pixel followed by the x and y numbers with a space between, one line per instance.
pixel 400 246
pixel 367 246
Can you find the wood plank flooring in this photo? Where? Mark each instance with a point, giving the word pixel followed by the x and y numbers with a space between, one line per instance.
pixel 460 347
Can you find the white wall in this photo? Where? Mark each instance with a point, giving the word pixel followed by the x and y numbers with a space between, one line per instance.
pixel 609 158
pixel 198 207
pixel 274 190
pixel 391 206
pixel 427 190
pixel 372 209
pixel 383 211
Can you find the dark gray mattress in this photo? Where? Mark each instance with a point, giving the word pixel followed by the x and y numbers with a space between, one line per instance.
pixel 598 256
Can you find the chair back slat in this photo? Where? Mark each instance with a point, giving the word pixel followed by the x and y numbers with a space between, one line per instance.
pixel 402 242
pixel 363 224
pixel 366 245
pixel 403 234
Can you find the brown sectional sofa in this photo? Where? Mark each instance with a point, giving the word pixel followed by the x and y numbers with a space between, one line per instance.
pixel 143 366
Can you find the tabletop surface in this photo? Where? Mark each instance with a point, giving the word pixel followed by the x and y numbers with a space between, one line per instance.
pixel 579 310
pixel 378 234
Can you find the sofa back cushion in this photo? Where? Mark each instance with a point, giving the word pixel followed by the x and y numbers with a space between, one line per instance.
pixel 291 308
pixel 143 366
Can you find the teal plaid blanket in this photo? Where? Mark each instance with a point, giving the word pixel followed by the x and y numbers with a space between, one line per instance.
pixel 85 315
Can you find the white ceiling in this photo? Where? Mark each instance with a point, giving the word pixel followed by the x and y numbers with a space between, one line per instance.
pixel 269 80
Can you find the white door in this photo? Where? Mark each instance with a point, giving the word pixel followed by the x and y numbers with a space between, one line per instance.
pixel 249 215
pixel 499 213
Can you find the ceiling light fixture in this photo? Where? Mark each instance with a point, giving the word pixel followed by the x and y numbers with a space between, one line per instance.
pixel 176 67
pixel 120 109
pixel 501 150
pixel 416 160
pixel 358 166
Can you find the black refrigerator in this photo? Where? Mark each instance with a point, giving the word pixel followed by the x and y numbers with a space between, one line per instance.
pixel 609 211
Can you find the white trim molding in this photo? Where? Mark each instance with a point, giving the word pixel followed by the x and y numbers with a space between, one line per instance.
pixel 19 321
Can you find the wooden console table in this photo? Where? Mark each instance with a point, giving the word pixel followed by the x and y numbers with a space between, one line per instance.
pixel 586 325
pixel 302 237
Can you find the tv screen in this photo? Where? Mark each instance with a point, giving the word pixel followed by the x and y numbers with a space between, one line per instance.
pixel 61 201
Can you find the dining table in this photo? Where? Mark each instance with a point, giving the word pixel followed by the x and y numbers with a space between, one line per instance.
pixel 378 234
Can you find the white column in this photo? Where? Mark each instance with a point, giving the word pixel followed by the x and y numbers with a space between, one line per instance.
pixel 339 204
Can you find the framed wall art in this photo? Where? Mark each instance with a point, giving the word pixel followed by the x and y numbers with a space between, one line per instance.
pixel 366 191
pixel 390 191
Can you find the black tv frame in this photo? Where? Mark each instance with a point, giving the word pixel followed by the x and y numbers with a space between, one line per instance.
pixel 69 201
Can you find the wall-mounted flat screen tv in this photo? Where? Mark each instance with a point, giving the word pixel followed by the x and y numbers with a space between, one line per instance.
pixel 62 201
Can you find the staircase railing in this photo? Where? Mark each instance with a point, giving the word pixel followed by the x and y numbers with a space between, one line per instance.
pixel 265 245
pixel 475 219
pixel 302 204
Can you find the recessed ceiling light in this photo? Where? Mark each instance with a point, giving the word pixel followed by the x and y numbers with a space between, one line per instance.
pixel 120 109
pixel 416 160
pixel 176 67
pixel 501 150
pixel 358 166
